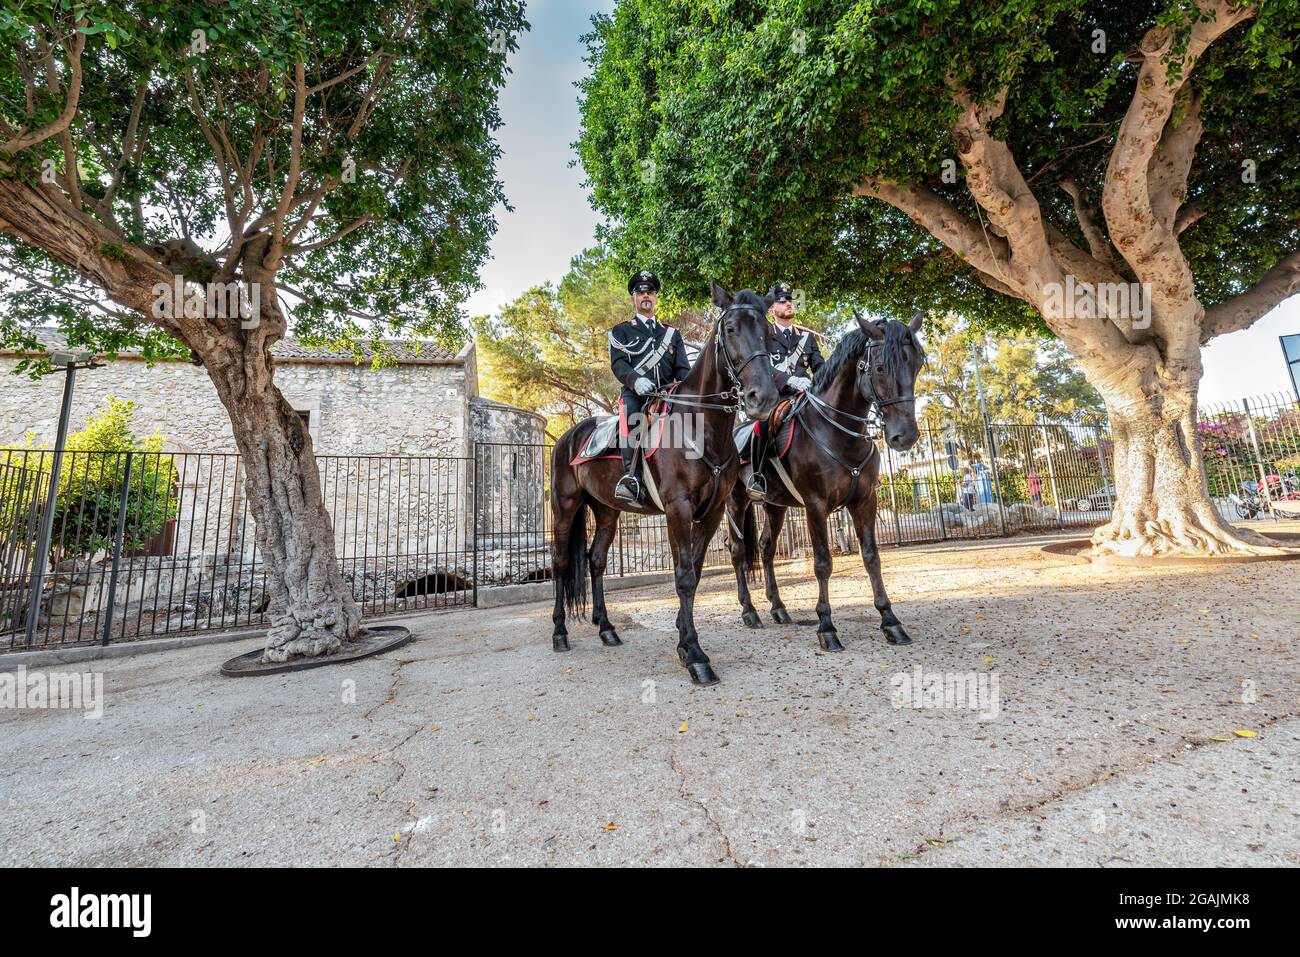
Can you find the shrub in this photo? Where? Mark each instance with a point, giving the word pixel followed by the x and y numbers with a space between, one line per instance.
pixel 90 484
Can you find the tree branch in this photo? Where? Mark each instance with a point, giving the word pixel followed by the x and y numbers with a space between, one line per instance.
pixel 1140 224
pixel 30 138
pixel 1241 311
pixel 998 187
pixel 275 253
pixel 963 235
pixel 1098 244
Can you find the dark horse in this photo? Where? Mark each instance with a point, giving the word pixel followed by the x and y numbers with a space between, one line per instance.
pixel 694 477
pixel 832 463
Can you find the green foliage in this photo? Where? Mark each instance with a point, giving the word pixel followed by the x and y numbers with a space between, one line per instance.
pixel 91 480
pixel 547 351
pixel 724 137
pixel 403 94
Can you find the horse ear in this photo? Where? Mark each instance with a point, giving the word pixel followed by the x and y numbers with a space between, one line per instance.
pixel 917 320
pixel 721 298
pixel 770 298
pixel 869 328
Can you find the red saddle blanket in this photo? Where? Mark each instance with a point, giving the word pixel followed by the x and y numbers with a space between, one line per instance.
pixel 602 441
pixel 781 438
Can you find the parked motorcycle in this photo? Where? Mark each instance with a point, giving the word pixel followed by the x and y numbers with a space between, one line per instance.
pixel 1278 488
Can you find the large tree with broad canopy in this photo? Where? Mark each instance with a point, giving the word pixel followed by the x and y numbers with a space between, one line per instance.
pixel 338 151
pixel 1023 162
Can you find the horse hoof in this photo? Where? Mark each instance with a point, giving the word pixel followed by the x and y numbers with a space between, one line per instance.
pixel 751 619
pixel 702 673
pixel 560 642
pixel 896 634
pixel 610 637
pixel 781 616
pixel 829 640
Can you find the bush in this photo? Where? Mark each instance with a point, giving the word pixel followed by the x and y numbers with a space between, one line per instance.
pixel 90 485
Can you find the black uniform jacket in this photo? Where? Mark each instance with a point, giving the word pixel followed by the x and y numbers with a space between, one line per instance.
pixel 632 347
pixel 786 344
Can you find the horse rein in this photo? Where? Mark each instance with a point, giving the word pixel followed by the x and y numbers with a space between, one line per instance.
pixel 875 405
pixel 733 372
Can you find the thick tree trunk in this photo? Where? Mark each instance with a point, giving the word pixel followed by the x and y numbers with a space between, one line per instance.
pixel 1163 506
pixel 313 610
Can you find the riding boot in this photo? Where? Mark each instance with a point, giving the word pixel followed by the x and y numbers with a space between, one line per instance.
pixel 756 487
pixel 629 488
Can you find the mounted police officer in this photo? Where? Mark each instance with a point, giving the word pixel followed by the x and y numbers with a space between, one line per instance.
pixel 797 359
pixel 646 357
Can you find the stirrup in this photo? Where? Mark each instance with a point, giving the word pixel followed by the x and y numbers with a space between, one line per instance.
pixel 756 487
pixel 628 489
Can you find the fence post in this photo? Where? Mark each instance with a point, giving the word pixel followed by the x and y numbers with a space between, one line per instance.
pixel 1105 472
pixel 46 533
pixel 938 493
pixel 118 539
pixel 473 481
pixel 1259 458
pixel 1051 475
pixel 990 446
pixel 893 499
pixel 622 564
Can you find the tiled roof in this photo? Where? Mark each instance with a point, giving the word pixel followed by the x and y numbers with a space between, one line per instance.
pixel 403 350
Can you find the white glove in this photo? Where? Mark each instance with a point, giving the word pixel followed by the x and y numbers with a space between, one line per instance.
pixel 643 386
pixel 799 382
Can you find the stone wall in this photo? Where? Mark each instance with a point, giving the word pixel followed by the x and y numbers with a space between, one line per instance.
pixel 410 409
pixel 513 467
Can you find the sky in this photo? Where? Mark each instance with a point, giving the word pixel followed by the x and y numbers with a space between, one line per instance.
pixel 553 221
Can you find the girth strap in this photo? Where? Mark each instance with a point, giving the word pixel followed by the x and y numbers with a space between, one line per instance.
pixel 646 473
pixel 785 478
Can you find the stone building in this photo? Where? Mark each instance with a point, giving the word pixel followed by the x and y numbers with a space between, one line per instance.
pixel 420 406
pixel 423 477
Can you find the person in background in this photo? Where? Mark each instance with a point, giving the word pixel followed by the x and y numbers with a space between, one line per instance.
pixel 1035 487
pixel 966 489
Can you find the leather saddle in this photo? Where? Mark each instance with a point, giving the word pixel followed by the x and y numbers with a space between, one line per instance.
pixel 781 434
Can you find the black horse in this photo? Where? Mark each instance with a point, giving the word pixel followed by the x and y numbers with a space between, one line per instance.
pixel 831 463
pixel 693 477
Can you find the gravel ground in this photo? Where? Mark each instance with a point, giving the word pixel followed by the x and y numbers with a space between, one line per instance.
pixel 1106 733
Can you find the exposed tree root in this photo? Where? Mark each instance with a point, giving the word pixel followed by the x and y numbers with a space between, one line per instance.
pixel 1176 532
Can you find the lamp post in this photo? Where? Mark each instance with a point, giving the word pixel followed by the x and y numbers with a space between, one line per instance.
pixel 69 362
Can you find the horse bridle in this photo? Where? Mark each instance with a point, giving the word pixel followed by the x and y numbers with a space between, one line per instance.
pixel 733 372
pixel 874 404
pixel 874 400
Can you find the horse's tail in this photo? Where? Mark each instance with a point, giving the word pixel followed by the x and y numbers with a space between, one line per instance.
pixel 574 580
pixel 749 538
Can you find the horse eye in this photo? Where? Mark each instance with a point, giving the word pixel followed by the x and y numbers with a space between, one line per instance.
pixel 880 368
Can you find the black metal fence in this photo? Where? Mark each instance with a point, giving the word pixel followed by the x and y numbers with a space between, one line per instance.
pixel 1252 455
pixel 144 544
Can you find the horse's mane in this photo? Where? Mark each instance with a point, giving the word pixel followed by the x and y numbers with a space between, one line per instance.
pixel 853 346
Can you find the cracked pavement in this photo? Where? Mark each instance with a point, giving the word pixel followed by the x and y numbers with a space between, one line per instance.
pixel 1119 689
